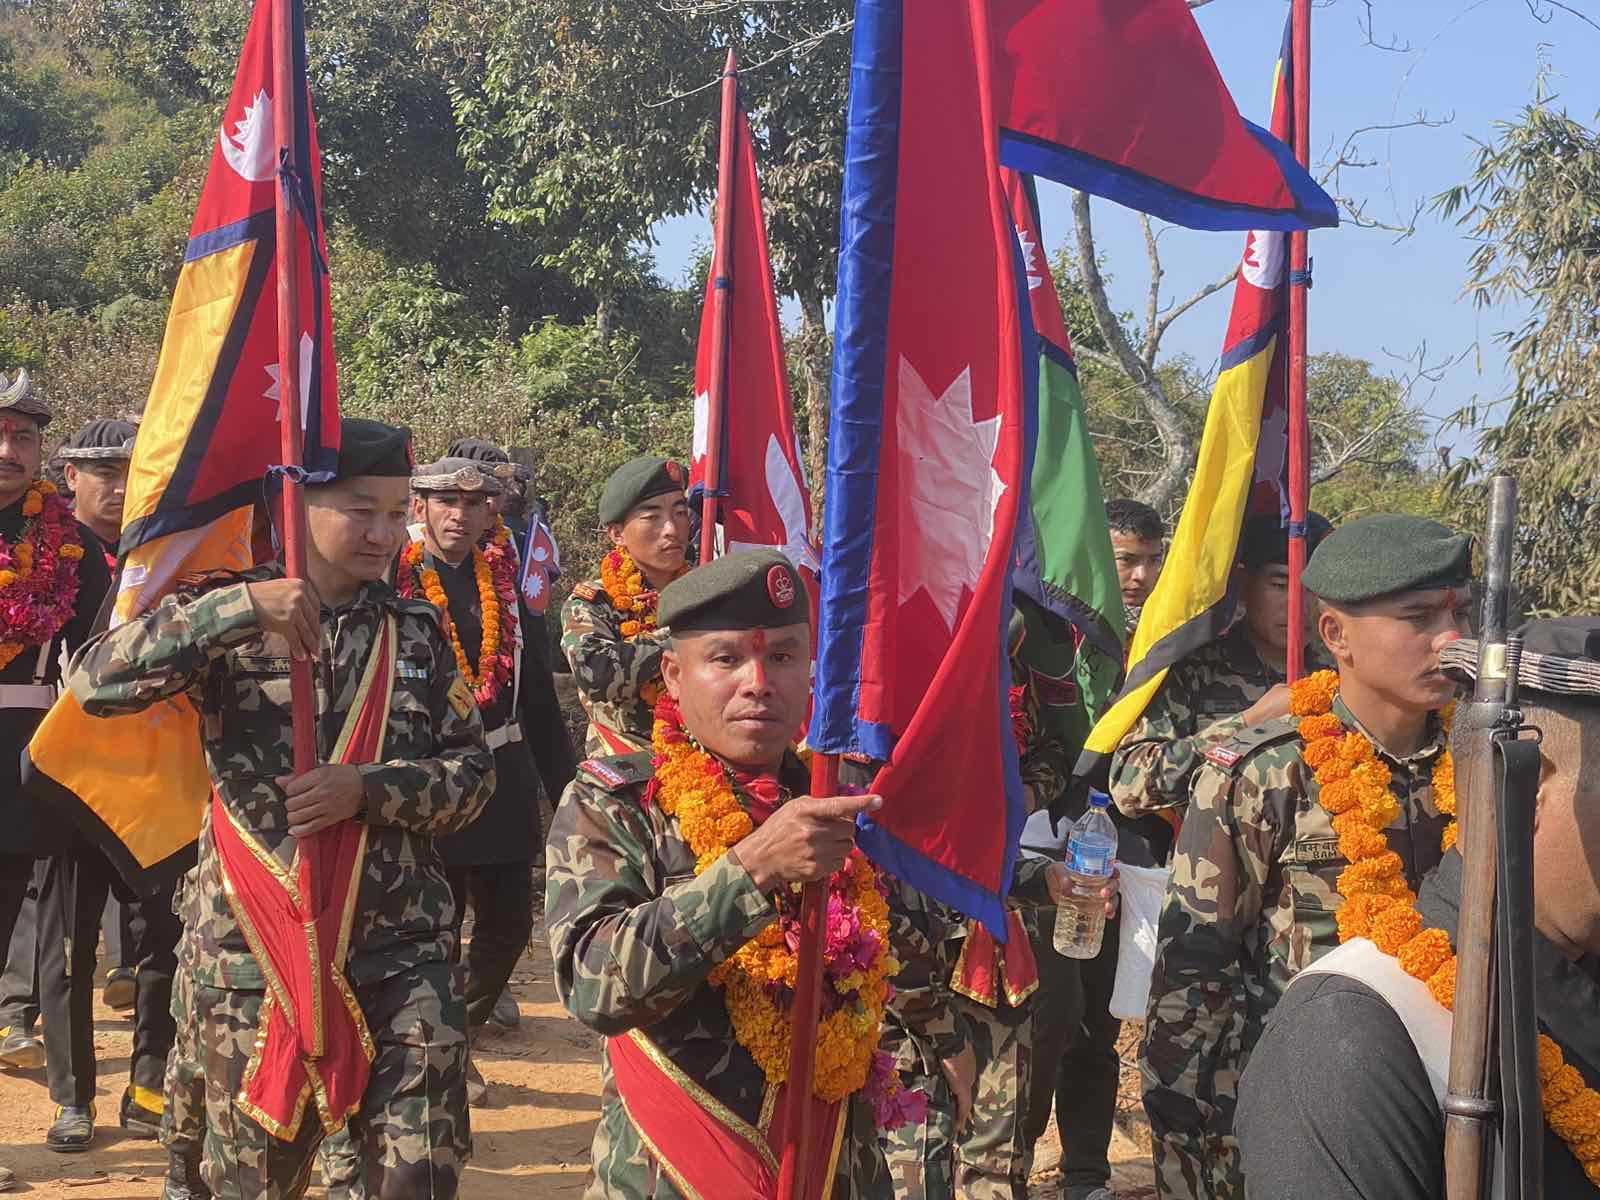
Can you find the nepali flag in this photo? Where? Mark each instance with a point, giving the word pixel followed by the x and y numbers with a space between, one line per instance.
pixel 764 498
pixel 1124 101
pixel 209 435
pixel 541 566
pixel 1241 469
pixel 935 380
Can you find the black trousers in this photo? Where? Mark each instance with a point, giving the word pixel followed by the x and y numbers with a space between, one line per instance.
pixel 72 898
pixel 501 895
pixel 1086 1085
pixel 19 924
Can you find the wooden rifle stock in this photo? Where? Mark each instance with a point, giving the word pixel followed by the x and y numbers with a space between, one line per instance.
pixel 1470 1110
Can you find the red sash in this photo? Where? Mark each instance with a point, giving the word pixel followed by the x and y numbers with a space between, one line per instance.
pixel 614 741
pixel 311 1038
pixel 707 1151
pixel 984 974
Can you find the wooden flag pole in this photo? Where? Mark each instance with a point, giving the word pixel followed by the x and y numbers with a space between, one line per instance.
pixel 290 431
pixel 1299 285
pixel 722 284
pixel 805 1015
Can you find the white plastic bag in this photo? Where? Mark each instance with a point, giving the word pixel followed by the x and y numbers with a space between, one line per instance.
pixel 1143 890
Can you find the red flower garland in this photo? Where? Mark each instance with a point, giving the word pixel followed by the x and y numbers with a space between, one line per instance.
pixel 38 574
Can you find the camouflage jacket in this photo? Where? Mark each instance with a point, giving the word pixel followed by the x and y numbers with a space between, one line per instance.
pixel 634 933
pixel 614 676
pixel 1201 702
pixel 1252 902
pixel 436 775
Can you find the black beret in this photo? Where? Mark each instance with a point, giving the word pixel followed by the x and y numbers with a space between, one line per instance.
pixel 1264 540
pixel 454 475
pixel 373 448
pixel 636 481
pixel 478 450
pixel 748 589
pixel 106 439
pixel 1384 554
pixel 1559 659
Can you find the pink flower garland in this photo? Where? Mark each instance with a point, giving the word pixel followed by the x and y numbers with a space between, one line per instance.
pixel 38 574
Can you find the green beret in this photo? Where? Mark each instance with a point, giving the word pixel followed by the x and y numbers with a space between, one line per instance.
pixel 636 481
pixel 373 448
pixel 1384 554
pixel 106 439
pixel 1264 540
pixel 455 475
pixel 748 589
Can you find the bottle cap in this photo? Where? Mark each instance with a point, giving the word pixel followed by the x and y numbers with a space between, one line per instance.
pixel 1098 799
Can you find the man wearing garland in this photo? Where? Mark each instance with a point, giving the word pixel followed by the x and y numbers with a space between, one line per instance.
pixel 609 626
pixel 73 888
pixel 1264 857
pixel 404 763
pixel 671 908
pixel 466 566
pixel 1371 1022
pixel 53 578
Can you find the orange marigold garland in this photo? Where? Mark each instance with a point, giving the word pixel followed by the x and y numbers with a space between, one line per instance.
pixel 623 581
pixel 1378 905
pixel 494 569
pixel 757 981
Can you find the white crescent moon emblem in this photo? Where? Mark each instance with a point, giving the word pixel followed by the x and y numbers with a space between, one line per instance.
pixel 251 149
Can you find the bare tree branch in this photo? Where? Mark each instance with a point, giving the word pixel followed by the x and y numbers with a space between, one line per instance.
pixel 1394 45
pixel 798 48
pixel 1153 300
pixel 1544 18
pixel 1349 157
pixel 1177 452
pixel 1183 306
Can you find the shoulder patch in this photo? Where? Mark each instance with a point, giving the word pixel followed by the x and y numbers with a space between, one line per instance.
pixel 1223 756
pixel 621 771
pixel 460 697
pixel 1231 753
pixel 585 591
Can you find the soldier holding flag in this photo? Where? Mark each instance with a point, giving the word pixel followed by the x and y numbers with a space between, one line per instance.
pixel 404 762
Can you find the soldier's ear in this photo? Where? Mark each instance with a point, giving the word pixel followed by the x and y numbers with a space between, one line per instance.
pixel 671 672
pixel 1332 629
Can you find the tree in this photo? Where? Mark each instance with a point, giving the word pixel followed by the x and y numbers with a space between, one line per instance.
pixel 1533 205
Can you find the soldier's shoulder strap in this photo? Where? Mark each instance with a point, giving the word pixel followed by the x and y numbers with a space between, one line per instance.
pixel 590 592
pixel 1232 754
pixel 620 772
pixel 414 606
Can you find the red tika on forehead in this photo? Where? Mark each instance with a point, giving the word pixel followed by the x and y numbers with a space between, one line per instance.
pixel 758 640
pixel 11 425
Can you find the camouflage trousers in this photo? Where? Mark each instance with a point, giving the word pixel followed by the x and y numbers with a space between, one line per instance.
pixel 921 1157
pixel 411 1136
pixel 183 1118
pixel 991 1152
pixel 1191 1120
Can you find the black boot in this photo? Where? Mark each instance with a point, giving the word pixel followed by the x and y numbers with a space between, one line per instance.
pixel 183 1180
pixel 73 1129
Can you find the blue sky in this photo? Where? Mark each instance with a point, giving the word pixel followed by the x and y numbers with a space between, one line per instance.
pixel 1473 61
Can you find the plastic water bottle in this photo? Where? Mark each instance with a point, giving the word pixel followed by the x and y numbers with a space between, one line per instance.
pixel 1091 852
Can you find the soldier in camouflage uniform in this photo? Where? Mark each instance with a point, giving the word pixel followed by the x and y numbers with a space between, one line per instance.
pixel 635 931
pixel 1233 683
pixel 1254 886
pixel 227 642
pixel 614 649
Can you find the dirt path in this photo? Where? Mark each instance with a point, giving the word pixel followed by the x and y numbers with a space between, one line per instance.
pixel 531 1140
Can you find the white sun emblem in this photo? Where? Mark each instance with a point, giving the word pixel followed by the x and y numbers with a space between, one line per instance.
pixel 250 149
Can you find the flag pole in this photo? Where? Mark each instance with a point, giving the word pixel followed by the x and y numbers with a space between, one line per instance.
pixel 805 1015
pixel 722 264
pixel 1299 285
pixel 291 435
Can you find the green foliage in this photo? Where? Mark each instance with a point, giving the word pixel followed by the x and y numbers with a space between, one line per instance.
pixel 1533 206
pixel 85 366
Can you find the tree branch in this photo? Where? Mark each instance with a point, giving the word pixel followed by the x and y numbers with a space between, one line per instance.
pixel 1153 301
pixel 1175 447
pixel 1545 18
pixel 1183 306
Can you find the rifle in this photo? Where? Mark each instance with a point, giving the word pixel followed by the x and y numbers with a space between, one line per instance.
pixel 1493 1086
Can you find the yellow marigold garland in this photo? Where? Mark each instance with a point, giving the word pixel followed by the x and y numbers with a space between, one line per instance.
pixel 1378 905
pixel 696 789
pixel 493 571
